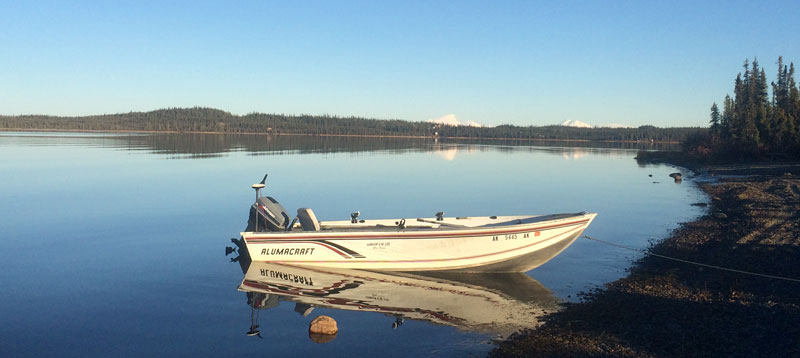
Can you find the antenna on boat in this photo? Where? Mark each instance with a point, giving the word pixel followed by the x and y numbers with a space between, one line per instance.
pixel 260 186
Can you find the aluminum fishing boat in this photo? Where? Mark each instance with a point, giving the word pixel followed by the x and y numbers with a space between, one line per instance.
pixel 468 244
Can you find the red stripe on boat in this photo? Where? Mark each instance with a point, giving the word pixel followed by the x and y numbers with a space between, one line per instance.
pixel 403 234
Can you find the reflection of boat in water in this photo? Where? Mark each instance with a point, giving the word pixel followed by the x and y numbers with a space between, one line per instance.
pixel 473 244
pixel 487 302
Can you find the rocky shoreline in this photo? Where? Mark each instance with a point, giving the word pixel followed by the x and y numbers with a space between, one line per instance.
pixel 666 308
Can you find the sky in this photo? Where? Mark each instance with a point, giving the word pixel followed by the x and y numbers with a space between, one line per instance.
pixel 630 63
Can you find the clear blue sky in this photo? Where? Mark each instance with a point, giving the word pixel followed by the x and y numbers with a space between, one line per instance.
pixel 525 63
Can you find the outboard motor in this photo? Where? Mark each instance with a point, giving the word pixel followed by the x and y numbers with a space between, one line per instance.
pixel 266 214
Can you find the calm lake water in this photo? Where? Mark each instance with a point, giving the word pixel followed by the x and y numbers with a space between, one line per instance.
pixel 114 245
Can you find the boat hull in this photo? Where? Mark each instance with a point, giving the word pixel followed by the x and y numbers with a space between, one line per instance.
pixel 490 248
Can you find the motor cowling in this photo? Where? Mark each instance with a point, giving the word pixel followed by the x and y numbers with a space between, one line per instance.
pixel 266 214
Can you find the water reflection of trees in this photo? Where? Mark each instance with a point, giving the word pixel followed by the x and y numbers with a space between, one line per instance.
pixel 197 146
pixel 513 144
pixel 215 144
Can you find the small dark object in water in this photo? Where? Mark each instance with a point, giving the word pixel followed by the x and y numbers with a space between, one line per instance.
pixel 702 205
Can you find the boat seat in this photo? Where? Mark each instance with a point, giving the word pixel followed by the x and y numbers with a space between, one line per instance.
pixel 307 219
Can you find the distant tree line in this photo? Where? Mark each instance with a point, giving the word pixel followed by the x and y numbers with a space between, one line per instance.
pixel 200 119
pixel 753 123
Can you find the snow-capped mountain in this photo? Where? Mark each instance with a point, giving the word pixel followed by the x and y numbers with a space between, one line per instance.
pixel 579 124
pixel 451 120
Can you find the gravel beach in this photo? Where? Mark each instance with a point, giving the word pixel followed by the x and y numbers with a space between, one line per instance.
pixel 667 308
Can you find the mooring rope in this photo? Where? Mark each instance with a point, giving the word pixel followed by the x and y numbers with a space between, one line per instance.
pixel 692 262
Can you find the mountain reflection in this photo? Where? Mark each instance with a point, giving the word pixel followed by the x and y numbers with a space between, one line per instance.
pixel 497 303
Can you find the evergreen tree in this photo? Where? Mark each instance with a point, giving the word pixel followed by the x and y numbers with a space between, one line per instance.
pixel 754 122
pixel 792 111
pixel 747 137
pixel 715 123
pixel 781 132
pixel 715 117
pixel 727 118
pixel 736 122
pixel 759 105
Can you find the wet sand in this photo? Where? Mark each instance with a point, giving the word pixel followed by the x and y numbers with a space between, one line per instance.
pixel 666 308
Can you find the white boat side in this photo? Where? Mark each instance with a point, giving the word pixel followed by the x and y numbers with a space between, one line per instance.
pixel 485 244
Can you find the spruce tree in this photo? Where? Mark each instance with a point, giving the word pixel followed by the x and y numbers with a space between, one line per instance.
pixel 793 111
pixel 779 120
pixel 737 103
pixel 752 121
pixel 715 126
pixel 743 128
pixel 761 105
pixel 727 118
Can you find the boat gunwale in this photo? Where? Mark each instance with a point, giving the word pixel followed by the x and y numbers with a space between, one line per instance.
pixel 430 233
